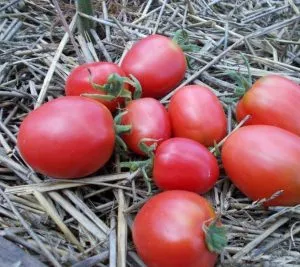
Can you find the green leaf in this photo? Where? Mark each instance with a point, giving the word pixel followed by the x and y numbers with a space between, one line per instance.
pixel 215 237
pixel 181 37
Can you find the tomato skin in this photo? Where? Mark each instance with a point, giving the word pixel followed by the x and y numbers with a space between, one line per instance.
pixel 167 231
pixel 184 164
pixel 148 119
pixel 197 114
pixel 261 160
pixel 157 62
pixel 78 81
pixel 272 100
pixel 69 137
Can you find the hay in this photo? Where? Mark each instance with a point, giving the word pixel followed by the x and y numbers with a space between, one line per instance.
pixel 88 221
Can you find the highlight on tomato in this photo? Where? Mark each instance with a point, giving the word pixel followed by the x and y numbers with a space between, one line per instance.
pixel 69 137
pixel 197 114
pixel 157 62
pixel 272 100
pixel 184 164
pixel 178 229
pixel 104 81
pixel 262 161
pixel 148 120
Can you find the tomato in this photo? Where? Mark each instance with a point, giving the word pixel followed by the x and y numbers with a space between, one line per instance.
pixel 157 62
pixel 148 119
pixel 184 164
pixel 168 230
pixel 69 137
pixel 261 160
pixel 78 82
pixel 272 100
pixel 196 113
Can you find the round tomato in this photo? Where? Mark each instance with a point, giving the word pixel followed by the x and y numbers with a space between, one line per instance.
pixel 168 231
pixel 262 160
pixel 148 119
pixel 81 78
pixel 197 114
pixel 157 62
pixel 272 100
pixel 69 137
pixel 184 164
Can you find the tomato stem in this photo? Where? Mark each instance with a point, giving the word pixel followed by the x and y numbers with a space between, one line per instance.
pixel 134 165
pixel 121 143
pixel 122 129
pixel 148 149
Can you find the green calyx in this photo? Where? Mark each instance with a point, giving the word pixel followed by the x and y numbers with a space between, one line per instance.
pixel 115 87
pixel 215 237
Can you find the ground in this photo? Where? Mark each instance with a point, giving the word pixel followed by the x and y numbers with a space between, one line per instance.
pixel 89 220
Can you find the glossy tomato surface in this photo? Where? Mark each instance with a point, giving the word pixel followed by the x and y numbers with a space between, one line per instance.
pixel 157 62
pixel 167 231
pixel 148 119
pixel 272 100
pixel 197 114
pixel 78 81
pixel 261 160
pixel 184 164
pixel 69 137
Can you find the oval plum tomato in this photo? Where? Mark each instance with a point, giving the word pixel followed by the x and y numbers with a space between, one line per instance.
pixel 157 62
pixel 184 164
pixel 69 137
pixel 80 81
pixel 272 100
pixel 168 231
pixel 148 119
pixel 197 114
pixel 262 160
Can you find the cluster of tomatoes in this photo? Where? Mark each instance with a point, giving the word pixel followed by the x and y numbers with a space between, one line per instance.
pixel 74 136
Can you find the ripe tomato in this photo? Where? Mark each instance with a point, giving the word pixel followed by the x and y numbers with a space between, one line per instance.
pixel 184 164
pixel 157 62
pixel 196 113
pixel 272 100
pixel 261 160
pixel 78 82
pixel 69 137
pixel 148 119
pixel 168 230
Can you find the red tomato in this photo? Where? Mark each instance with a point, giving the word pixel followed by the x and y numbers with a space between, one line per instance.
pixel 78 81
pixel 184 164
pixel 167 231
pixel 272 100
pixel 148 119
pixel 157 62
pixel 261 160
pixel 69 137
pixel 196 113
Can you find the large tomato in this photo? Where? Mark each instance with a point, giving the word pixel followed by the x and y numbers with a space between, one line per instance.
pixel 148 118
pixel 272 100
pixel 168 230
pixel 262 160
pixel 69 137
pixel 157 62
pixel 79 81
pixel 184 164
pixel 196 113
